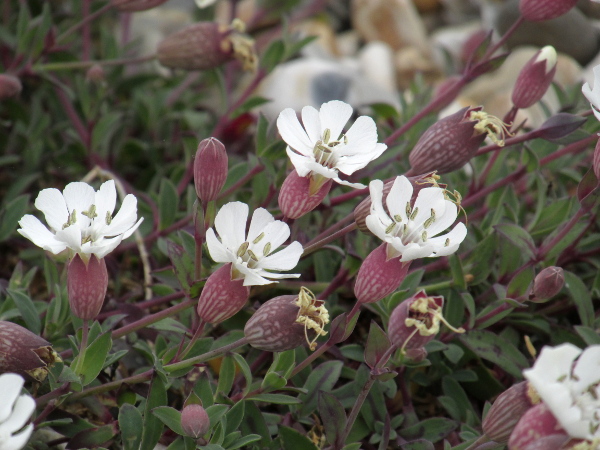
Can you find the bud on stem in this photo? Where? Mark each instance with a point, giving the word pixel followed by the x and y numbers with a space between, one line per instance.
pixel 210 169
pixel 86 283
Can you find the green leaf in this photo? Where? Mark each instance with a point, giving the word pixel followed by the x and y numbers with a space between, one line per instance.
pixel 244 441
pixel 226 375
pixel 246 371
pixel 93 437
pixel 518 236
pixel 273 55
pixel 520 283
pixel 293 440
pixel 11 214
pixel 183 265
pixel 432 430
pixel 458 275
pixel 170 417
pixel 235 416
pixel 279 399
pixel 94 358
pixel 104 130
pixel 254 422
pixel 581 297
pixel 215 412
pixel 334 418
pixel 168 203
pixel 589 335
pixel 323 378
pixel 490 346
pixel 153 426
pixel 377 344
pixel 131 426
pixel 27 310
pixel 272 382
pixel 250 104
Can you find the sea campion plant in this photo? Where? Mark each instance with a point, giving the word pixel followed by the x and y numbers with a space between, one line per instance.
pixel 337 275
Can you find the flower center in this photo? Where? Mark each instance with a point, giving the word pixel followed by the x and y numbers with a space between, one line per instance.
pixel 312 314
pixel 87 234
pixel 248 256
pixel 324 149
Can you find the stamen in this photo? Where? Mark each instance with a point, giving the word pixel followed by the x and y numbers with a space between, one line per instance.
pixel 71 220
pixel 242 250
pixel 90 213
pixel 108 218
pixel 252 255
pixel 397 218
pixel 447 243
pixel 326 135
pixel 390 227
pixel 267 249
pixel 258 238
pixel 424 236
pixel 86 239
pixel 491 125
pixel 414 214
pixel 408 209
pixel 312 314
pixel 431 219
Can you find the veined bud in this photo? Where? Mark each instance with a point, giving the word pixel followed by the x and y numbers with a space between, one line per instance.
pixel 596 160
pixel 207 45
pixel 25 353
pixel 538 10
pixel 297 196
pixel 86 283
pixel 285 322
pixel 379 276
pixel 210 169
pixel 222 297
pixel 136 5
pixel 9 86
pixel 536 424
pixel 416 321
pixel 451 142
pixel 506 411
pixel 195 421
pixel 547 284
pixel 535 78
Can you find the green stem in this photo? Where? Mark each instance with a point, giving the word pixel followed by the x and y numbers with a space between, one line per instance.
pixel 197 334
pixel 87 64
pixel 436 286
pixel 317 245
pixel 139 378
pixel 85 20
pixel 206 356
pixel 84 340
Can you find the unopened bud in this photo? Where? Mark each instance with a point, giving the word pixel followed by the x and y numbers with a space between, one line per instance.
pixel 136 5
pixel 448 144
pixel 210 169
pixel 24 353
pixel 286 322
pixel 9 86
pixel 207 45
pixel 506 411
pixel 547 284
pixel 536 424
pixel 86 283
pixel 95 74
pixel 222 297
pixel 596 160
pixel 535 78
pixel 538 10
pixel 296 196
pixel 195 421
pixel 559 126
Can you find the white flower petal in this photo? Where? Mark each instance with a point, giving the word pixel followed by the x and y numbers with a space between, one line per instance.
pixel 362 137
pixel 18 441
pixel 36 232
pixel 22 411
pixel 399 196
pixel 71 236
pixel 103 247
pixel 285 259
pixel 553 363
pixel 427 199
pixel 338 180
pixel 10 388
pixel 79 197
pixel 260 219
pixel 251 276
pixel 217 251
pixel 106 198
pixel 133 228
pixel 312 123
pixel 587 369
pixel 300 162
pixel 230 223
pixel 414 251
pixel 52 203
pixel 350 164
pixel 443 221
pixel 454 237
pixel 334 115
pixel 292 132
pixel 377 227
pixel 276 233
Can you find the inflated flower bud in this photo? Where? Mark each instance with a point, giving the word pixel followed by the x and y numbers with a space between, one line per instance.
pixel 538 10
pixel 95 74
pixel 207 45
pixel 296 196
pixel 222 297
pixel 285 322
pixel 9 86
pixel 547 284
pixel 136 5
pixel 451 142
pixel 506 411
pixel 537 423
pixel 195 421
pixel 596 160
pixel 24 353
pixel 535 78
pixel 86 283
pixel 416 321
pixel 379 276
pixel 210 169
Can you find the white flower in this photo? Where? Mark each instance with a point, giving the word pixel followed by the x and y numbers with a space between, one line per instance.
pixel 410 230
pixel 251 256
pixel 593 95
pixel 15 411
pixel 570 389
pixel 81 220
pixel 205 3
pixel 321 150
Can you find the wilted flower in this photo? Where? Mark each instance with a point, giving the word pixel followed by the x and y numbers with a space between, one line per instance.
pixel 207 45
pixel 567 380
pixel 535 78
pixel 24 353
pixel 539 10
pixel 195 421
pixel 15 411
pixel 210 169
pixel 320 150
pixel 593 95
pixel 81 220
pixel 285 322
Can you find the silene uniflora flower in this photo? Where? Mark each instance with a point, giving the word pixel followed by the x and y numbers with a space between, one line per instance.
pixel 15 411
pixel 321 150
pixel 81 219
pixel 593 94
pixel 411 231
pixel 567 380
pixel 252 255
